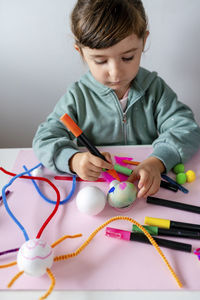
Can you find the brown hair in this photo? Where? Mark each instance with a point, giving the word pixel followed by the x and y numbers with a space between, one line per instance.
pixel 101 24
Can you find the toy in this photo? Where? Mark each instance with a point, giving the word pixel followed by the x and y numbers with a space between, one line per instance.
pixel 90 200
pixel 121 194
pixel 190 176
pixel 34 257
pixel 181 178
pixel 179 168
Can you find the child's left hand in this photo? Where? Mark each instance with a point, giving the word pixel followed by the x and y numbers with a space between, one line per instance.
pixel 148 172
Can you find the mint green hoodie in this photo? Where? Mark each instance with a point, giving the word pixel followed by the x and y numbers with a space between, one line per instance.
pixel 153 116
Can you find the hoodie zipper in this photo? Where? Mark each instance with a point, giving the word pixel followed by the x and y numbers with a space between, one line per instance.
pixel 125 128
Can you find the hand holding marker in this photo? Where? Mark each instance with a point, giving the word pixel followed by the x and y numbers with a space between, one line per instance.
pixel 78 133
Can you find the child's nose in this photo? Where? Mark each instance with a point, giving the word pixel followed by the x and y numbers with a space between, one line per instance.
pixel 115 72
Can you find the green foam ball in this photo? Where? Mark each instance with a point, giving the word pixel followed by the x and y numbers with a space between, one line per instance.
pixel 181 178
pixel 179 168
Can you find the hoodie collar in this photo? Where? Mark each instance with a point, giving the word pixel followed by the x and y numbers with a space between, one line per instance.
pixel 137 88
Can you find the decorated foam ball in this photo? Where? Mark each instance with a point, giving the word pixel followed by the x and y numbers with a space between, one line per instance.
pixel 181 178
pixel 179 168
pixel 37 172
pixel 34 257
pixel 190 176
pixel 122 194
pixel 91 200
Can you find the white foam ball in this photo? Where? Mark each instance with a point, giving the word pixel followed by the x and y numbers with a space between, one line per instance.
pixel 90 200
pixel 37 172
pixel 34 257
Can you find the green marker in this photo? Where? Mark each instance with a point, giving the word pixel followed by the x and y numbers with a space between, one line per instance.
pixel 154 230
pixel 123 170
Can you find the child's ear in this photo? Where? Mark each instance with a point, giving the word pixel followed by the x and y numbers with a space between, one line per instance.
pixel 145 38
pixel 77 48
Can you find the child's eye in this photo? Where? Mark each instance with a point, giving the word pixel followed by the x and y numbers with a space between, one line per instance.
pixel 100 62
pixel 127 58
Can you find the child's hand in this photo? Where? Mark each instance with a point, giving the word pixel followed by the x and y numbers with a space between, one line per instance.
pixel 88 166
pixel 148 173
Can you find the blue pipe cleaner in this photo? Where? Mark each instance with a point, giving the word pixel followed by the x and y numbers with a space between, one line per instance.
pixel 51 201
pixel 6 204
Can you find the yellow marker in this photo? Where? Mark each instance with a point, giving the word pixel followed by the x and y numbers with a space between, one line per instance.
pixel 161 223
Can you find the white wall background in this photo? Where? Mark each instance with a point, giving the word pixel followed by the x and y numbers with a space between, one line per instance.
pixel 38 62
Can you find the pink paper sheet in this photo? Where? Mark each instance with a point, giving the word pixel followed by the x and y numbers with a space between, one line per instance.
pixel 106 263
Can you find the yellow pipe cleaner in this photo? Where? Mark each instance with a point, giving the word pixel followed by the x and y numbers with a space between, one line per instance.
pixel 15 278
pixel 8 265
pixel 53 282
pixel 153 242
pixel 64 238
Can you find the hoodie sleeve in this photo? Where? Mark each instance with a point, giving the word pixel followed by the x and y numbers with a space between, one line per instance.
pixel 53 144
pixel 178 133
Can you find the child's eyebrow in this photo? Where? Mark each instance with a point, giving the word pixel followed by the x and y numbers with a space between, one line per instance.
pixel 130 50
pixel 103 55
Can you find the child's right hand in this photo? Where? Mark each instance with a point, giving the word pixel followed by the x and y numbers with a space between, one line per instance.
pixel 88 166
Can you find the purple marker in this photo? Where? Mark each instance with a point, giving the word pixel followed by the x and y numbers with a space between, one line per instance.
pixel 7 192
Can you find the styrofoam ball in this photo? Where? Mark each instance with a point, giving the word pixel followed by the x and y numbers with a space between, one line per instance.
pixel 122 194
pixel 113 183
pixel 37 172
pixel 90 200
pixel 34 257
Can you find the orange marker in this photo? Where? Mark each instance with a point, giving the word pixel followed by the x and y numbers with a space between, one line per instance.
pixel 78 133
pixel 130 162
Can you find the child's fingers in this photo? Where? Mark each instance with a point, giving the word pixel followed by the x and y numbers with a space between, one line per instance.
pixel 98 162
pixel 133 177
pixel 107 156
pixel 153 188
pixel 144 179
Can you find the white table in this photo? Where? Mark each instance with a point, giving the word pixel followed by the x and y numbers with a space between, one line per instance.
pixel 7 159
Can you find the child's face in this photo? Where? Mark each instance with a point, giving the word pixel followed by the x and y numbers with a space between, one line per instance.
pixel 118 65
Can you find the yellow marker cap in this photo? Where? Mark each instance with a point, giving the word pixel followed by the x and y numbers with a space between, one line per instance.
pixel 161 223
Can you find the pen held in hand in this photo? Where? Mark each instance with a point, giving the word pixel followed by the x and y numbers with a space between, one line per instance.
pixel 78 133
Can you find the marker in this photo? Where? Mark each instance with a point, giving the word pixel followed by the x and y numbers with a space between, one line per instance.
pixel 138 237
pixel 173 204
pixel 180 187
pixel 169 186
pixel 168 224
pixel 128 172
pixel 154 230
pixel 131 162
pixel 69 178
pixel 1 198
pixel 78 133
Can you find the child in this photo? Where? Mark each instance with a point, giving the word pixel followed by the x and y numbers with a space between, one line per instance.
pixel 117 102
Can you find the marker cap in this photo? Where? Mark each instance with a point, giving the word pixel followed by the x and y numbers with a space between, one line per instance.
pixel 162 223
pixel 123 170
pixel 118 233
pixel 71 125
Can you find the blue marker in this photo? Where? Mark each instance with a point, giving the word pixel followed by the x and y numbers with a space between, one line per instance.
pixel 180 187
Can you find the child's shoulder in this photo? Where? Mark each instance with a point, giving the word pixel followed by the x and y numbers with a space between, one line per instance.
pixel 150 80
